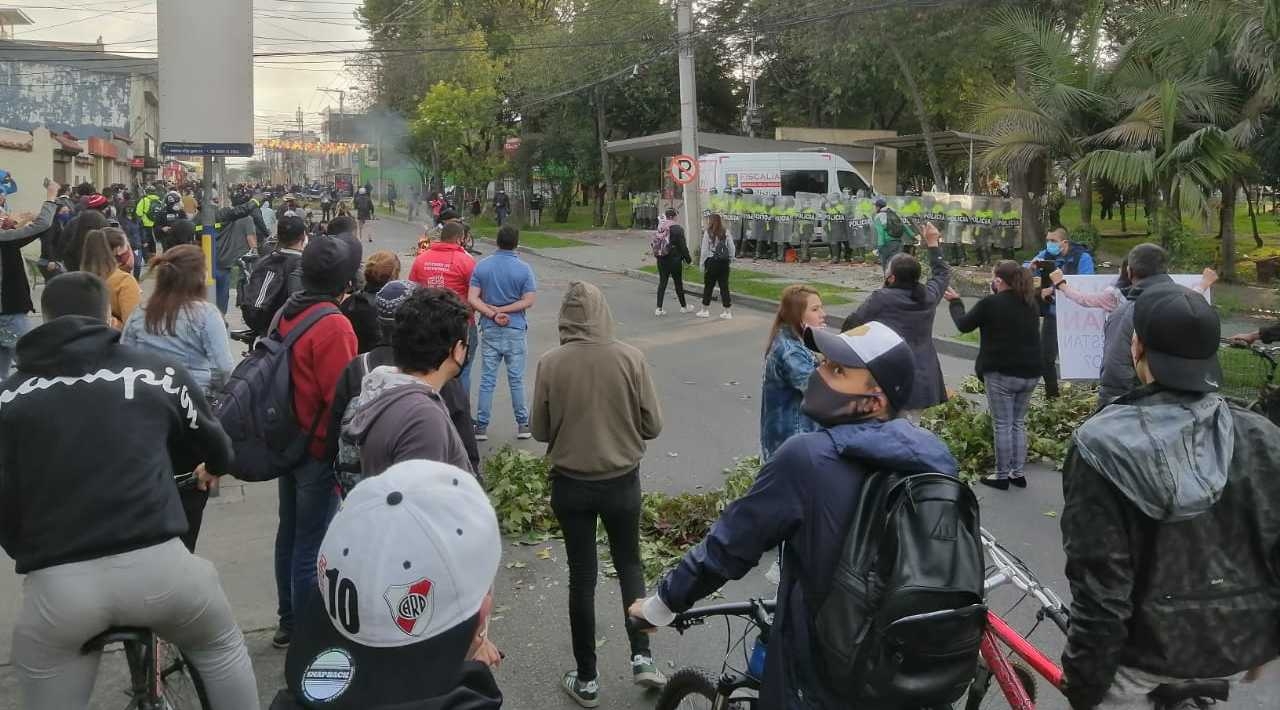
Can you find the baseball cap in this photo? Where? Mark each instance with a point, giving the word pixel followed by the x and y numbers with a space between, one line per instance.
pixel 1180 332
pixel 327 265
pixel 391 297
pixel 871 346
pixel 402 573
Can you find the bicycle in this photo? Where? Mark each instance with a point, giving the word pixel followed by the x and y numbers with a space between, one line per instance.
pixel 1018 682
pixel 160 677
pixel 1249 380
pixel 734 689
pixel 738 689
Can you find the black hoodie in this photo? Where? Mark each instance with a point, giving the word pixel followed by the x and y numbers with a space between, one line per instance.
pixel 476 690
pixel 84 472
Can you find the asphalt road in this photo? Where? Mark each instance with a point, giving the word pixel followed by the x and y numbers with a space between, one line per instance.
pixel 707 374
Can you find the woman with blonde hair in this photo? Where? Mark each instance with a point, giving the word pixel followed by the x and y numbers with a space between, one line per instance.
pixel 107 255
pixel 788 364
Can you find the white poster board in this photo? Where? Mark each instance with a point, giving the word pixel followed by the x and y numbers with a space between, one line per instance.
pixel 206 77
pixel 1080 328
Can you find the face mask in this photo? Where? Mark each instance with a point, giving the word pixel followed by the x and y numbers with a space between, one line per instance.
pixel 829 407
pixel 1053 248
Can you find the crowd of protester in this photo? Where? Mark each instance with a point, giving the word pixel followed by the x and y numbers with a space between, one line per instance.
pixel 384 599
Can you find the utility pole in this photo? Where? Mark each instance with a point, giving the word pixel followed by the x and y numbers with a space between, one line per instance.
pixel 688 115
pixel 749 120
pixel 302 156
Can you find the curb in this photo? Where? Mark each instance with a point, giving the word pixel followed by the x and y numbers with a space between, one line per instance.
pixel 944 346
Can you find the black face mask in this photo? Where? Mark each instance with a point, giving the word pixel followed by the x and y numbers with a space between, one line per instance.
pixel 831 408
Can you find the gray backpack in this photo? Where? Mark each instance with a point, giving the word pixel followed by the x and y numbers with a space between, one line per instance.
pixel 347 465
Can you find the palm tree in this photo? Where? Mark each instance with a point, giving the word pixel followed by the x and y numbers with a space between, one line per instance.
pixel 1054 102
pixel 1182 124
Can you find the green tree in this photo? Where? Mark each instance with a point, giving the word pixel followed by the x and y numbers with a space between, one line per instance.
pixel 460 124
pixel 1182 122
pixel 1054 102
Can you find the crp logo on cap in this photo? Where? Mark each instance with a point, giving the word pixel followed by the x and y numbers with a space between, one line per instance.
pixel 411 605
pixel 328 675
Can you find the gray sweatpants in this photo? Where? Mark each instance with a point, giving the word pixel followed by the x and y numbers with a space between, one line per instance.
pixel 164 588
pixel 1131 687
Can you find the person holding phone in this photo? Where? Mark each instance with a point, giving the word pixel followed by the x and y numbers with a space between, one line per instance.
pixel 1059 254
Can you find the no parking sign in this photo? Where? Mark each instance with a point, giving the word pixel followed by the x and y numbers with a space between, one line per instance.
pixel 683 169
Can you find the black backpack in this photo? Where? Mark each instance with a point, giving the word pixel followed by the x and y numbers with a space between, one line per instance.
pixel 903 621
pixel 893 225
pixel 267 289
pixel 256 409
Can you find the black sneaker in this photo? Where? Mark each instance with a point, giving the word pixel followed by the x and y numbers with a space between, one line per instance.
pixel 584 693
pixel 1018 481
pixel 281 638
pixel 995 482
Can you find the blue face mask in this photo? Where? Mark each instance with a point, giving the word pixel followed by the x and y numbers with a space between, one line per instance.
pixel 1053 248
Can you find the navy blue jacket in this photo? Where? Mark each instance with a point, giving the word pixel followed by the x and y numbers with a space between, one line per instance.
pixel 805 496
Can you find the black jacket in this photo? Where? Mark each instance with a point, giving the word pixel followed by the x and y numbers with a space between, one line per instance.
pixel 679 247
pixel 84 472
pixel 1171 529
pixel 1009 334
pixel 477 690
pixel 362 310
pixel 454 396
pixel 15 289
pixel 909 309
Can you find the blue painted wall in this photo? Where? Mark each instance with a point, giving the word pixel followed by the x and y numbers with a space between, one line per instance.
pixel 63 98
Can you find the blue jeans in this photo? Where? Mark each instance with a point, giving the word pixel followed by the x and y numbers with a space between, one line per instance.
pixel 308 502
pixel 498 344
pixel 473 344
pixel 222 284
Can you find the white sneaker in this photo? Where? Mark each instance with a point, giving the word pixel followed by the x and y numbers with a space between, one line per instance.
pixel 686 309
pixel 704 313
pixel 659 312
pixel 726 314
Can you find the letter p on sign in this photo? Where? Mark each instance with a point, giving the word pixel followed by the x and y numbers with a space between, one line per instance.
pixel 683 169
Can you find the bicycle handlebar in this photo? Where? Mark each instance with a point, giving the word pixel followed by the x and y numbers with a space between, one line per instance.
pixel 1011 570
pixel 758 610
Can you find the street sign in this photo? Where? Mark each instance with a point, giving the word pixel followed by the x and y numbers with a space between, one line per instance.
pixel 683 169
pixel 206 93
pixel 242 150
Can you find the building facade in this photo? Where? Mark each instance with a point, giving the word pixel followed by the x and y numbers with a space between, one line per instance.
pixel 99 110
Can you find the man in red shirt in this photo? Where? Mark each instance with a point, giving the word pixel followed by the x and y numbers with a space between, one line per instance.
pixel 307 493
pixel 445 264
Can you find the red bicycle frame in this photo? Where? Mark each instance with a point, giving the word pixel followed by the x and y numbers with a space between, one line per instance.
pixel 1002 669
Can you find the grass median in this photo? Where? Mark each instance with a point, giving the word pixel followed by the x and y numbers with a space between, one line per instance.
pixel 540 240
pixel 766 286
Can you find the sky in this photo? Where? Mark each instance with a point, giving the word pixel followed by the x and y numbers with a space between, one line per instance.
pixel 281 84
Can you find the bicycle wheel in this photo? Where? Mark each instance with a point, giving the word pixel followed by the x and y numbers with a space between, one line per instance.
pixel 697 688
pixel 180 683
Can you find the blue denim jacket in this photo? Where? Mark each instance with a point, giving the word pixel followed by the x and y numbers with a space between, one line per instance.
pixel 787 367
pixel 199 342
